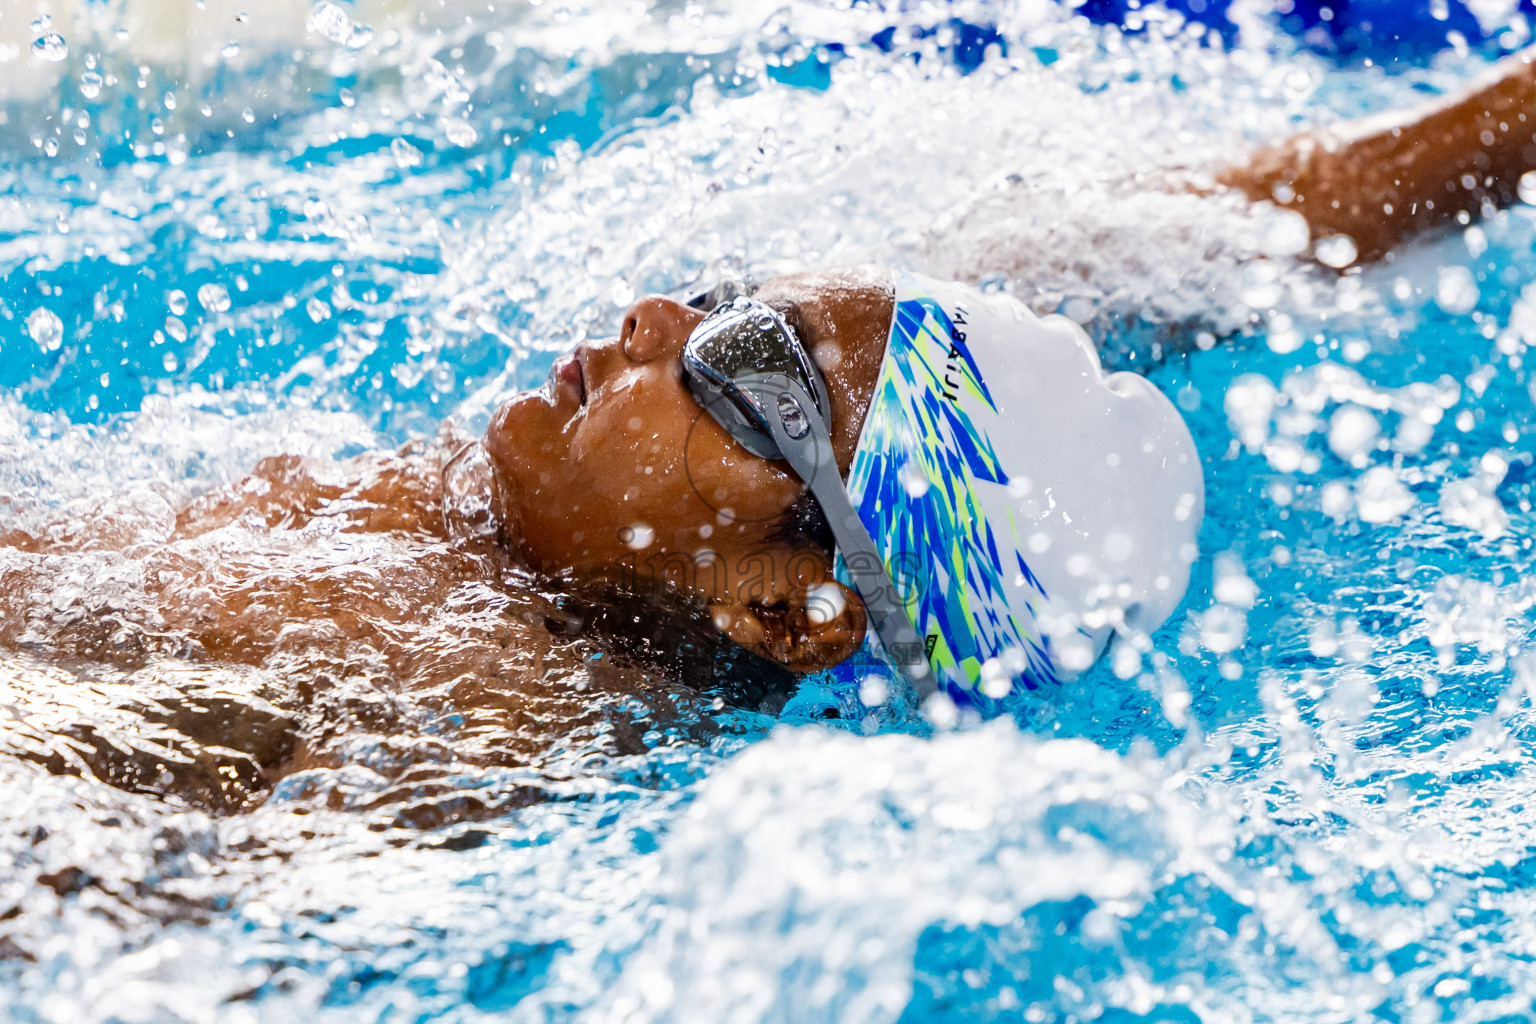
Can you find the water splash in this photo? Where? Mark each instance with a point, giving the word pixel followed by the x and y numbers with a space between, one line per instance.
pixel 1301 800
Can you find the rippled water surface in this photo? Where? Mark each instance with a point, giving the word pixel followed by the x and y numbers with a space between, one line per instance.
pixel 262 762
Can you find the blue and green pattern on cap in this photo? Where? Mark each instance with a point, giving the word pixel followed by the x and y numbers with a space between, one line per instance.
pixel 922 453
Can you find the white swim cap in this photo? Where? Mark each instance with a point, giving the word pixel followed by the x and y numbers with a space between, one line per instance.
pixel 1028 504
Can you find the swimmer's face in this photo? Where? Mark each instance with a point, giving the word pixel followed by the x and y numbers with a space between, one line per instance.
pixel 613 472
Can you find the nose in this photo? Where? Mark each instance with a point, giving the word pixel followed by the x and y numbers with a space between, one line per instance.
pixel 656 327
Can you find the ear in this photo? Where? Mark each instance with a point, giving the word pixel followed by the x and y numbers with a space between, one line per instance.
pixel 812 629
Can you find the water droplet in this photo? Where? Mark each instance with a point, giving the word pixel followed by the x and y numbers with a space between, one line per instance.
pixel 1336 251
pixel 50 47
pixel 1282 338
pixel 214 297
pixel 913 480
pixel 230 50
pixel 42 23
pixel 1527 188
pixel 1336 498
pixel 317 310
pixel 90 84
pixel 460 132
pixel 1352 432
pixel 1477 241
pixel 873 691
pixel 1234 586
pixel 406 155
pixel 1381 497
pixel 1298 84
pixel 1285 234
pixel 996 680
pixel 637 537
pixel 1223 629
pixel 1456 291
pixel 1472 503
pixel 1323 639
pixel 46 329
pixel 330 21
pixel 1250 402
pixel 1261 287
pixel 170 362
pixel 177 302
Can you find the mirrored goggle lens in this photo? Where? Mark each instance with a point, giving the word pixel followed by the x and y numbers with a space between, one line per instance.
pixel 745 337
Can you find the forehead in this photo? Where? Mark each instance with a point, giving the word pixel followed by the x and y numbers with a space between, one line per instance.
pixel 844 304
pixel 861 283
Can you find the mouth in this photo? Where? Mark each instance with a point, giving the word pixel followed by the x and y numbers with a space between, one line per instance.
pixel 568 376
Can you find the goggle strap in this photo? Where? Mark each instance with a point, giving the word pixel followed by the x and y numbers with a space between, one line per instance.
pixel 811 456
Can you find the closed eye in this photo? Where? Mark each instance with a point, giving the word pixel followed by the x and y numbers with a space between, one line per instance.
pixel 710 300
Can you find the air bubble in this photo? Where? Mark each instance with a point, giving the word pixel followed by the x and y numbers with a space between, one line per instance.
pixel 90 84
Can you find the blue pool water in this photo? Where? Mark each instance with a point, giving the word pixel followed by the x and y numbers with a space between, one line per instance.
pixel 328 231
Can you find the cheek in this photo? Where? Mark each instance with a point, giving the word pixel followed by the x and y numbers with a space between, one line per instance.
pixel 733 482
pixel 653 456
pixel 634 431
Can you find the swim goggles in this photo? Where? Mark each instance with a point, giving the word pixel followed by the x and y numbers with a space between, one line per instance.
pixel 749 371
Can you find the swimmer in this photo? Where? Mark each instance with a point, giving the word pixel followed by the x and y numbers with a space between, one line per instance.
pixel 1015 511
pixel 1002 509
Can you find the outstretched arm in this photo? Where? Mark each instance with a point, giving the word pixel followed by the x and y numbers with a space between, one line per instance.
pixel 1385 178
